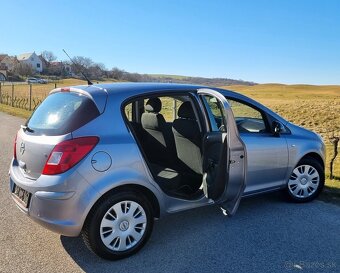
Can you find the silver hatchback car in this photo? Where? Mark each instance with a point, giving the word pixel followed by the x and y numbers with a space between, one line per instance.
pixel 106 160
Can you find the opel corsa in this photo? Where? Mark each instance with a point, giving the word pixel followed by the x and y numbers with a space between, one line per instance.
pixel 106 160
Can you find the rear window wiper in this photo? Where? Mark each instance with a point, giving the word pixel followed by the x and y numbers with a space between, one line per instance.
pixel 26 128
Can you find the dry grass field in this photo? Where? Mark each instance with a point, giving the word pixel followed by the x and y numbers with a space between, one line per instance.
pixel 38 90
pixel 313 107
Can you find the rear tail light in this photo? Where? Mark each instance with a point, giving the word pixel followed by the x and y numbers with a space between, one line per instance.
pixel 15 147
pixel 68 153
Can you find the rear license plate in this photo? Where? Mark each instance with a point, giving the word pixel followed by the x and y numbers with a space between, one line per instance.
pixel 22 195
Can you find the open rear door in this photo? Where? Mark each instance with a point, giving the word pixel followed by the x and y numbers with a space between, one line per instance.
pixel 224 153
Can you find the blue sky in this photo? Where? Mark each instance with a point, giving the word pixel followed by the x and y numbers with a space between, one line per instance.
pixel 287 41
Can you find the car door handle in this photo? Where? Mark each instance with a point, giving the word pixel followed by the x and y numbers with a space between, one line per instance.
pixel 232 161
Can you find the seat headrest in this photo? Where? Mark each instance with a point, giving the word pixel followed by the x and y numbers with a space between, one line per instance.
pixel 153 105
pixel 186 111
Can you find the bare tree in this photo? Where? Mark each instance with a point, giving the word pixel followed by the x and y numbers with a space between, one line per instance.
pixel 117 73
pixel 335 141
pixel 23 69
pixel 96 71
pixel 82 62
pixel 48 56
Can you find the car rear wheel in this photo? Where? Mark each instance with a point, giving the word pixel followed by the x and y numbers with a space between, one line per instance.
pixel 306 181
pixel 118 226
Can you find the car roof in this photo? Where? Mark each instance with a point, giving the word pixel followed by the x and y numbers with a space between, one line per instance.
pixel 125 90
pixel 140 87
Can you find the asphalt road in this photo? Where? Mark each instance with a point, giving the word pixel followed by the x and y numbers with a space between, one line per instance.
pixel 266 235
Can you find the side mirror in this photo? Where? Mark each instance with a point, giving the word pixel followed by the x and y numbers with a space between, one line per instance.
pixel 277 128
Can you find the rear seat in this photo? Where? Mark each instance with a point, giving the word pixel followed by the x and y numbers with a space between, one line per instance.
pixel 170 161
pixel 159 145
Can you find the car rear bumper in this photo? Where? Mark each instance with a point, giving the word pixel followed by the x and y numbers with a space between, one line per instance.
pixel 60 205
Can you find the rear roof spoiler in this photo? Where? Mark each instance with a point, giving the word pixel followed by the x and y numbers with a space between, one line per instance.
pixel 96 94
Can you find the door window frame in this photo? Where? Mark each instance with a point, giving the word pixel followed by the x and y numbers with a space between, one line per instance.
pixel 192 94
pixel 210 116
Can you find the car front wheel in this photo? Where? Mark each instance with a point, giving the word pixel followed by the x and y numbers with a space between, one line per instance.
pixel 306 181
pixel 118 226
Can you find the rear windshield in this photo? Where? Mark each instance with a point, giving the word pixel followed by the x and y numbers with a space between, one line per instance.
pixel 62 113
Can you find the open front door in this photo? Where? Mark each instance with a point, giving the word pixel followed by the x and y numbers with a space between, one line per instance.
pixel 224 153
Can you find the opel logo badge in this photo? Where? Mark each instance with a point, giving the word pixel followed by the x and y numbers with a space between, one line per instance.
pixel 22 148
pixel 124 225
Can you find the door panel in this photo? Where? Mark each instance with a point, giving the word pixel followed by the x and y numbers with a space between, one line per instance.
pixel 215 164
pixel 267 161
pixel 267 153
pixel 224 153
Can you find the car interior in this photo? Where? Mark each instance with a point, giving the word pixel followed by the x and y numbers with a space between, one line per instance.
pixel 171 138
pixel 171 142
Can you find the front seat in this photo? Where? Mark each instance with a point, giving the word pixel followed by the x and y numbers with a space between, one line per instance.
pixel 188 139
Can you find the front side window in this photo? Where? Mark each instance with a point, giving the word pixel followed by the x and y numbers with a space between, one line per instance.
pixel 247 118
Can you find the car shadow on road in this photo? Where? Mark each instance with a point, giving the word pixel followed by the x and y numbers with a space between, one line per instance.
pixel 183 240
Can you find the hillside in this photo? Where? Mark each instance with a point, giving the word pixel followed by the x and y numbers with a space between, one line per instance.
pixel 197 80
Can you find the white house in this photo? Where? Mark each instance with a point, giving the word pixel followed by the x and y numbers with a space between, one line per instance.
pixel 32 59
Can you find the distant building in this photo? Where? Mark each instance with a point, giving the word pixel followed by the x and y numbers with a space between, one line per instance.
pixel 63 67
pixel 31 59
pixel 44 63
pixel 2 66
pixel 2 56
pixel 7 62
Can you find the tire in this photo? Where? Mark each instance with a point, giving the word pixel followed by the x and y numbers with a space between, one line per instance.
pixel 118 226
pixel 306 181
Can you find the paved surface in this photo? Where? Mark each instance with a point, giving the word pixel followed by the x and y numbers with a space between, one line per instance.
pixel 266 235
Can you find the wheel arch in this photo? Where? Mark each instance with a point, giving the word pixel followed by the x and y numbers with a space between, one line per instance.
pixel 296 197
pixel 315 156
pixel 136 188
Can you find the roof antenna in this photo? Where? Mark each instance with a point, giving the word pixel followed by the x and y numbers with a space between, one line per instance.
pixel 81 71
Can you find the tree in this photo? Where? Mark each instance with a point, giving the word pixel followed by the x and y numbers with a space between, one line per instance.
pixel 334 140
pixel 23 69
pixel 82 62
pixel 117 73
pixel 96 71
pixel 48 56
